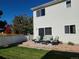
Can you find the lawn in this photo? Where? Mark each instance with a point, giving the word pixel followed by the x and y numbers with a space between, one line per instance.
pixel 22 53
pixel 30 53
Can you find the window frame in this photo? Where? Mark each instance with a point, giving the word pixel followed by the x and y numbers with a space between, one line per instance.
pixel 67 30
pixel 40 12
pixel 71 29
pixel 41 33
pixel 68 3
pixel 48 29
pixel 44 32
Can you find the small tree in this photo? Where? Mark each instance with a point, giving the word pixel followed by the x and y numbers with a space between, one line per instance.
pixel 23 24
pixel 8 29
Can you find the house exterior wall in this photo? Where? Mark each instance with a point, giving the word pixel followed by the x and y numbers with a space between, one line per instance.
pixel 57 16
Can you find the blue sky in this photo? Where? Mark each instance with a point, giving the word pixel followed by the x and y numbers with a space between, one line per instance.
pixel 12 8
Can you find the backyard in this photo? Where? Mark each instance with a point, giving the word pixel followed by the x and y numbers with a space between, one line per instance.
pixel 21 53
pixel 30 53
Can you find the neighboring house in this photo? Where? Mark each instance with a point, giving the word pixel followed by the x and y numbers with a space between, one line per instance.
pixel 59 18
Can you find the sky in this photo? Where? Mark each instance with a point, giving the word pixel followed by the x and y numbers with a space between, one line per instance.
pixel 12 8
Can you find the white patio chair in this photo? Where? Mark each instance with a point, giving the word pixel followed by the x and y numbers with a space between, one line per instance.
pixel 47 38
pixel 37 39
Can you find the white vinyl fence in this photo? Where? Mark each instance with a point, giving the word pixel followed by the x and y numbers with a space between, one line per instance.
pixel 29 37
pixel 7 40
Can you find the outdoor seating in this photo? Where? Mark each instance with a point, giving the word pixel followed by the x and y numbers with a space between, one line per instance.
pixel 56 41
pixel 47 39
pixel 37 40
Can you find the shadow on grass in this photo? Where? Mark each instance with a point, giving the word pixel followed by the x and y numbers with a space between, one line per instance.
pixel 60 55
pixel 2 57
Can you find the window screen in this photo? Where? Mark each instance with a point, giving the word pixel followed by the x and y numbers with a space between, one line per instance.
pixel 41 31
pixel 42 12
pixel 38 13
pixel 48 31
pixel 72 29
pixel 68 3
pixel 66 29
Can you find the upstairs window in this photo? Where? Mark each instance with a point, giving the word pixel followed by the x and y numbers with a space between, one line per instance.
pixel 70 29
pixel 68 3
pixel 40 12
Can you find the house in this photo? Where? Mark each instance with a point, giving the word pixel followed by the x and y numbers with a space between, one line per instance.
pixel 59 18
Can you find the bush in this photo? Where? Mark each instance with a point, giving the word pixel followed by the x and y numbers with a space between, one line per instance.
pixel 70 43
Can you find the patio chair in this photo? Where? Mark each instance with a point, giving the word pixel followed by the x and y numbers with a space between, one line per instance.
pixel 55 41
pixel 37 40
pixel 47 39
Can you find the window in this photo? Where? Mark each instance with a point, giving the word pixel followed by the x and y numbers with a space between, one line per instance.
pixel 48 31
pixel 66 29
pixel 40 12
pixel 41 31
pixel 45 31
pixel 68 3
pixel 70 29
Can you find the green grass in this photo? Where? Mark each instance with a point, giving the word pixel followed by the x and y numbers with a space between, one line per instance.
pixel 30 53
pixel 22 53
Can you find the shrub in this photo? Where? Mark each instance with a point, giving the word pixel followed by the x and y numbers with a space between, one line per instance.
pixel 70 43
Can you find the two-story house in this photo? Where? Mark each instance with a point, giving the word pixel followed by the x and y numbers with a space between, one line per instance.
pixel 57 18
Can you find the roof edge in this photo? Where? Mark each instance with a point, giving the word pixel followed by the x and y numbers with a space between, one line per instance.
pixel 47 4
